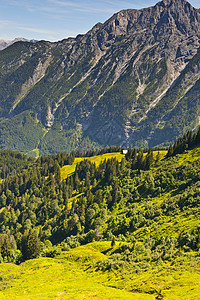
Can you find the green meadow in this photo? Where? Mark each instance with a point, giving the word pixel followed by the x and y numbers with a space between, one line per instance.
pixel 68 170
pixel 74 275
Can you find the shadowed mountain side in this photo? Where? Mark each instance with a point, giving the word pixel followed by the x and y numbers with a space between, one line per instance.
pixel 130 81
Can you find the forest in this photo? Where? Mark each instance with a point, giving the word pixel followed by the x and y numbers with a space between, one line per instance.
pixel 116 200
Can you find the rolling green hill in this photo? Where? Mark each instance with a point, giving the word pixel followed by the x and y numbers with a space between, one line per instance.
pixel 74 275
pixel 105 226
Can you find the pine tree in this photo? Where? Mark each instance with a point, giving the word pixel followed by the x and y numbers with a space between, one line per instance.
pixel 30 245
pixel 5 246
pixel 113 242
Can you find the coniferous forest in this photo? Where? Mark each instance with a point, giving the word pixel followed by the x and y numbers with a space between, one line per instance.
pixel 144 203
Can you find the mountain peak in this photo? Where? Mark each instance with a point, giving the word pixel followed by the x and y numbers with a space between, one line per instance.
pixel 174 3
pixel 133 80
pixel 5 43
pixel 170 2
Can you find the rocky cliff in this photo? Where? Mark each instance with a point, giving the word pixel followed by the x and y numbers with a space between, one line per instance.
pixel 132 81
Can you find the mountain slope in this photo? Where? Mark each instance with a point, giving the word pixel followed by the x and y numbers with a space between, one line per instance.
pixel 133 80
pixel 4 43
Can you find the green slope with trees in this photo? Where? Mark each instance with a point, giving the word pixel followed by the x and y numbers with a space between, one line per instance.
pixel 139 214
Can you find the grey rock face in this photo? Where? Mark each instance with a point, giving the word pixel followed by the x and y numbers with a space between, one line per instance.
pixel 133 80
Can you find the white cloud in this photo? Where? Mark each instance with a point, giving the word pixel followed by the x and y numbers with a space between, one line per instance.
pixel 27 5
pixel 89 6
pixel 5 23
pixel 64 3
pixel 86 7
pixel 20 3
pixel 49 34
pixel 36 30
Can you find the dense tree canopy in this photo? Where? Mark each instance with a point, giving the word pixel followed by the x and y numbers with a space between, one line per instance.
pixel 109 200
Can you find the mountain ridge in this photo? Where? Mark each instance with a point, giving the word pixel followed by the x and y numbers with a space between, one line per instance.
pixel 6 43
pixel 110 86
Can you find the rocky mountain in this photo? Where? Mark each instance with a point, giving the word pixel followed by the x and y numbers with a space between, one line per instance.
pixel 4 43
pixel 132 81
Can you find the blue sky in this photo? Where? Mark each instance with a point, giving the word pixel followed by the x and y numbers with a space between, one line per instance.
pixel 58 19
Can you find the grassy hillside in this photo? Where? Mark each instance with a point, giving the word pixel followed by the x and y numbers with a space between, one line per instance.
pixel 70 281
pixel 70 169
pixel 102 227
pixel 74 275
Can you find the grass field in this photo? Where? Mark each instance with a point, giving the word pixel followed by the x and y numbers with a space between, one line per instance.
pixel 70 169
pixel 73 275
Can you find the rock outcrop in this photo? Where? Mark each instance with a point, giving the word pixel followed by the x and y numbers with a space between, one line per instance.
pixel 132 81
